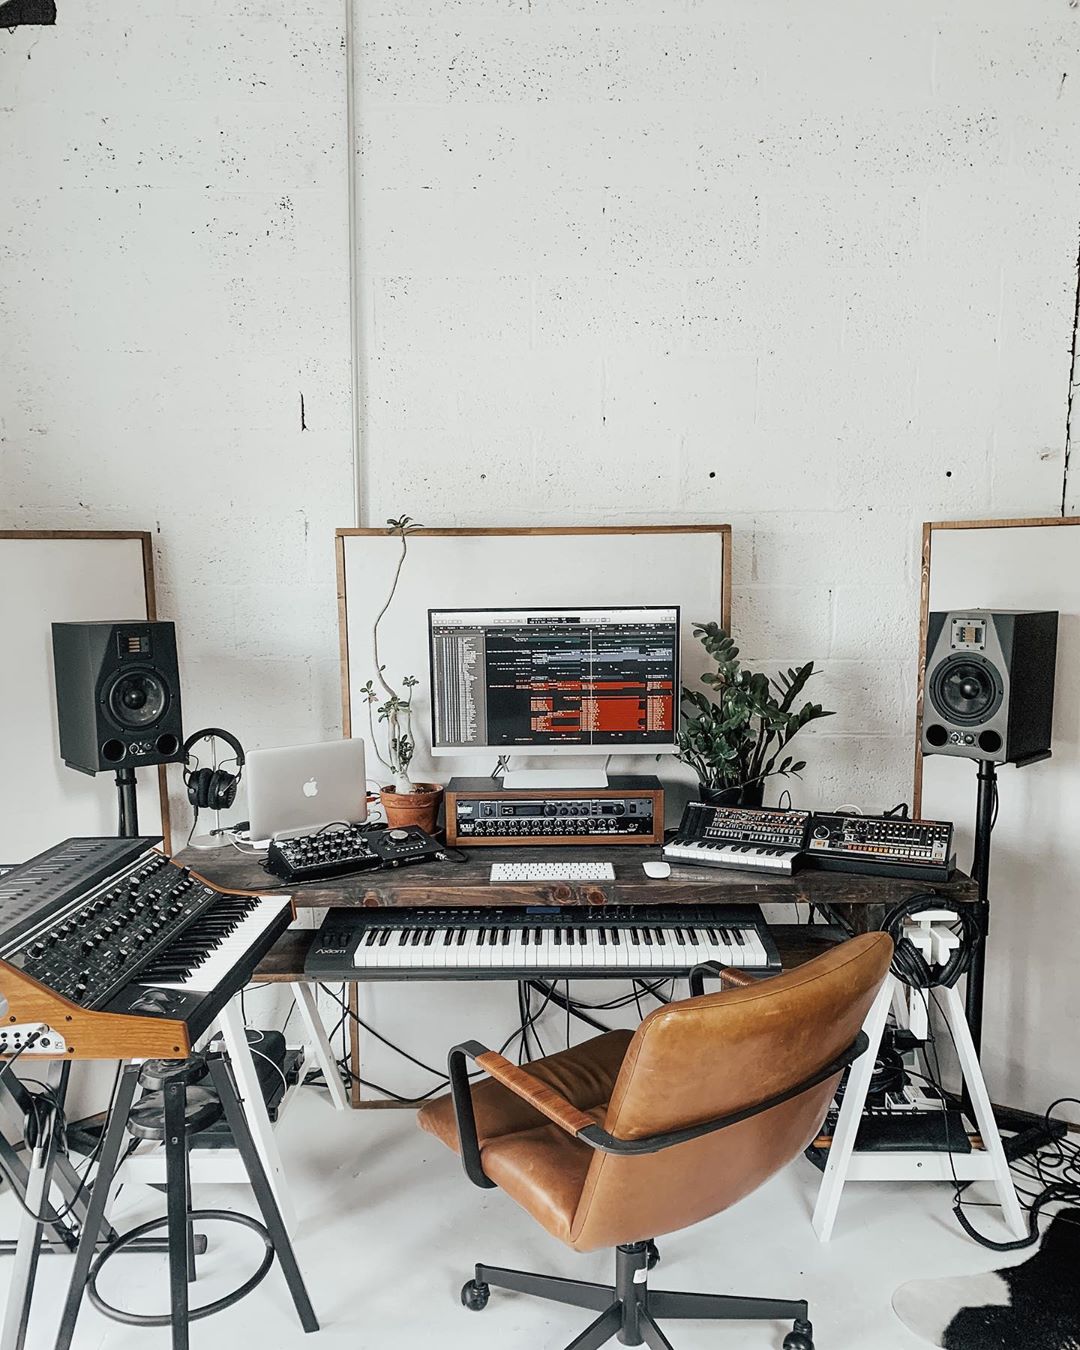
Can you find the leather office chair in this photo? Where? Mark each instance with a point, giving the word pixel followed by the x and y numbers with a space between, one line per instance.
pixel 632 1135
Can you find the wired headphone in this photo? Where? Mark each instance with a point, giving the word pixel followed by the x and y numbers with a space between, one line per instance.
pixel 909 965
pixel 211 789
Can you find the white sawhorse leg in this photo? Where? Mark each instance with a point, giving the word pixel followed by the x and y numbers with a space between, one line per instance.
pixel 847 1125
pixel 316 1040
pixel 989 1164
pixel 231 1024
pixel 949 1000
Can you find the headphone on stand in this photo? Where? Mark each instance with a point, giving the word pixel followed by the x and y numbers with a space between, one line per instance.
pixel 909 965
pixel 211 789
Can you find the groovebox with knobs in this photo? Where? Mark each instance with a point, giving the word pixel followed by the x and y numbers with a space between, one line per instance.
pixel 988 690
pixel 630 810
pixel 117 694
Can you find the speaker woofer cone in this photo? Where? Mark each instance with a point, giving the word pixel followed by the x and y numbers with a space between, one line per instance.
pixel 137 699
pixel 966 690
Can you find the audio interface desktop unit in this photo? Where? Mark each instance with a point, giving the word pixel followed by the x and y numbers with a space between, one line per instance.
pixel 630 810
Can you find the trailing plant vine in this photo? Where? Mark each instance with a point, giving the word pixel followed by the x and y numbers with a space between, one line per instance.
pixel 395 709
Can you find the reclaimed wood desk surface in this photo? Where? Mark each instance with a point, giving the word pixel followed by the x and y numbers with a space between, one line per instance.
pixel 856 902
pixel 468 884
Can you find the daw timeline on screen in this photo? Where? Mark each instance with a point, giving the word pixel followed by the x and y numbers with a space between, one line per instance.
pixel 555 679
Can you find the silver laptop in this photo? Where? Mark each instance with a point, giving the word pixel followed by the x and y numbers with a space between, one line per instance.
pixel 300 788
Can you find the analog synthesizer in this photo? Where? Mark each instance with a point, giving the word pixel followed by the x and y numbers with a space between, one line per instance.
pixel 114 926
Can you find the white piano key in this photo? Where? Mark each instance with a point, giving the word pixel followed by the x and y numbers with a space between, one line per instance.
pixel 219 963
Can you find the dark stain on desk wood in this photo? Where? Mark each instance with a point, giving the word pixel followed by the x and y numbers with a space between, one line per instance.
pixel 467 884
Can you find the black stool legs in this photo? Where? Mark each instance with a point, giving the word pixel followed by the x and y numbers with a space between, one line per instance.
pixel 177 1113
pixel 99 1194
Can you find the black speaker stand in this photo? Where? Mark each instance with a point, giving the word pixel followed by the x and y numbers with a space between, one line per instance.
pixel 128 827
pixel 1030 1132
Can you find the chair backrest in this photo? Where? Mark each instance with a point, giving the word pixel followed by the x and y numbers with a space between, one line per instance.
pixel 714 1056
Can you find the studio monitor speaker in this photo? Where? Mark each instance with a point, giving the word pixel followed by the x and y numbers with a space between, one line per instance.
pixel 988 690
pixel 117 694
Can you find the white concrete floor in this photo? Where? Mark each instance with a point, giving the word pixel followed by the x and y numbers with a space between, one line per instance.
pixel 389 1229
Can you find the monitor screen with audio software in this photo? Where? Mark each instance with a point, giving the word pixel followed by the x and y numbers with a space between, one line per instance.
pixel 554 681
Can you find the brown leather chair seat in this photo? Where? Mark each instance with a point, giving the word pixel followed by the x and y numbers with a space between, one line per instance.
pixel 632 1135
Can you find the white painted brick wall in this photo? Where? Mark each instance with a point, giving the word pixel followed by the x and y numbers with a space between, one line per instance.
pixel 174 274
pixel 807 269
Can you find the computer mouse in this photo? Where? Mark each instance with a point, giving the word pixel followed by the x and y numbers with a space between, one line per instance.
pixel 657 869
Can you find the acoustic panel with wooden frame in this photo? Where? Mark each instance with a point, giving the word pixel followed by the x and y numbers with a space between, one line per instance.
pixel 1033 953
pixel 51 576
pixel 685 565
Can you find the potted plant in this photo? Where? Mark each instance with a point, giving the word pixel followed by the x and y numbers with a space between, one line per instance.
pixel 735 739
pixel 404 802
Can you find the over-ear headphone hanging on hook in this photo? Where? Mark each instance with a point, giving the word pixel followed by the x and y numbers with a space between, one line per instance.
pixel 211 788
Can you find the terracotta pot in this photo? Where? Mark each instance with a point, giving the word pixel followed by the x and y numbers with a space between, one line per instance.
pixel 412 808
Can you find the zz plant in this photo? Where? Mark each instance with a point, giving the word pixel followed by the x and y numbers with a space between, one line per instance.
pixel 737 734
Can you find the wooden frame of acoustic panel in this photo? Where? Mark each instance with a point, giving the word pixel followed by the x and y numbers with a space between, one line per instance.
pixel 146 541
pixel 724 531
pixel 1034 522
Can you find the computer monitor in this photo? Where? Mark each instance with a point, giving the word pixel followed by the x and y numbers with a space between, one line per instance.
pixel 566 681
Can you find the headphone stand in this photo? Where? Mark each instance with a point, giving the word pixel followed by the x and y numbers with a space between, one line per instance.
pixel 846 1163
pixel 128 827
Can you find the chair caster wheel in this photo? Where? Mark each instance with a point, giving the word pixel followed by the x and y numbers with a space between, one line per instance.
pixel 653 1255
pixel 800 1337
pixel 475 1295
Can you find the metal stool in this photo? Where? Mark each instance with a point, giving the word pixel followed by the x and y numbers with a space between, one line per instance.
pixel 173 1108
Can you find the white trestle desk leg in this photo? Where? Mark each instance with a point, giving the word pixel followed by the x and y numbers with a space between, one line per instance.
pixel 320 1046
pixel 984 1112
pixel 851 1109
pixel 231 1023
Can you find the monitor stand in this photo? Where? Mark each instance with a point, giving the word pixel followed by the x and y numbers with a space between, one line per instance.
pixel 573 776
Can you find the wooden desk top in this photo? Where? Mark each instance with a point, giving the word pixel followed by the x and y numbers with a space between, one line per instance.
pixel 467 883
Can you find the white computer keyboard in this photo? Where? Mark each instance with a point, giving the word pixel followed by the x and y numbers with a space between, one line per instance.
pixel 582 871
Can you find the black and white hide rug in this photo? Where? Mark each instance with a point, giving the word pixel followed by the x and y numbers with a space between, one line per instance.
pixel 1031 1306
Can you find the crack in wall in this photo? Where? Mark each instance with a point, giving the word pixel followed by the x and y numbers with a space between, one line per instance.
pixel 1072 391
